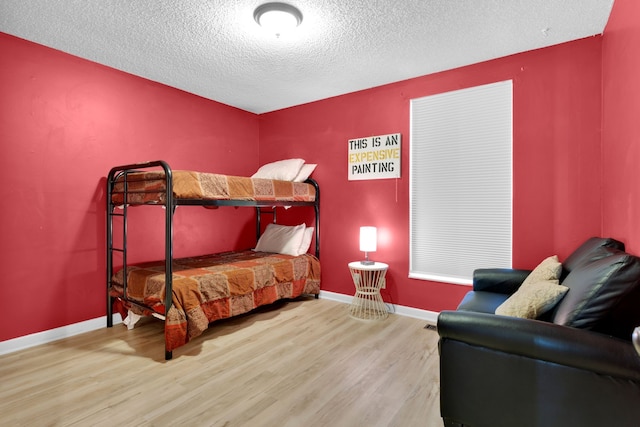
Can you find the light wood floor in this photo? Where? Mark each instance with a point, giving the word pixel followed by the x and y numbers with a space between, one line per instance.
pixel 299 363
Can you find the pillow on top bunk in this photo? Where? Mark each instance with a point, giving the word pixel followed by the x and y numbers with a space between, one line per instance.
pixel 283 170
pixel 305 172
pixel 281 239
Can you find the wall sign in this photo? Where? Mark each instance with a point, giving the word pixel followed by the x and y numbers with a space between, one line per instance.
pixel 375 157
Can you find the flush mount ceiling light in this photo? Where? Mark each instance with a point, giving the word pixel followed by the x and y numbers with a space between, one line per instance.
pixel 277 18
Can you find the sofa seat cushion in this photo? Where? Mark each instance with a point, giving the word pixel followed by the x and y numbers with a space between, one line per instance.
pixel 482 302
pixel 604 295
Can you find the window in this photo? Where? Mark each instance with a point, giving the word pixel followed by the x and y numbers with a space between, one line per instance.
pixel 461 182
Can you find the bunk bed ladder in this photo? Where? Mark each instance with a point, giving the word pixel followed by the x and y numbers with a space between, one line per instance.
pixel 111 213
pixel 124 171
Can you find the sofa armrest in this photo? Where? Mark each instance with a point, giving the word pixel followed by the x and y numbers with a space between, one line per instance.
pixel 498 280
pixel 540 340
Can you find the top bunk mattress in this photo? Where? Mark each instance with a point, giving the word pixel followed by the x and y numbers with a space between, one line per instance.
pixel 150 188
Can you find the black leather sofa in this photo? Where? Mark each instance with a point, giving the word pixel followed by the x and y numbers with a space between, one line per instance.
pixel 575 366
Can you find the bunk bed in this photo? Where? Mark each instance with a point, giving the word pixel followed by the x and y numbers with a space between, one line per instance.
pixel 190 293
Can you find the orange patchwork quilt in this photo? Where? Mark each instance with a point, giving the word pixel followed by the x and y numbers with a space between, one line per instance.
pixel 217 286
pixel 149 187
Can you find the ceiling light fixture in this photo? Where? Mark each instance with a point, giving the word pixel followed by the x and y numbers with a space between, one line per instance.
pixel 277 18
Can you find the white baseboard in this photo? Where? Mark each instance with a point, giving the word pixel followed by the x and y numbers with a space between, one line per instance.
pixel 56 334
pixel 428 316
pixel 51 335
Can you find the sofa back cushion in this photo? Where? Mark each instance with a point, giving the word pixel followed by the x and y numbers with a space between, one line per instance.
pixel 604 294
pixel 588 252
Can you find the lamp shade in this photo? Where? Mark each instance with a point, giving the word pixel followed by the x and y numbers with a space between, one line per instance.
pixel 368 239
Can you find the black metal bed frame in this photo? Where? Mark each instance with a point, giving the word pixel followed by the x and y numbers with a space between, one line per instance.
pixel 171 203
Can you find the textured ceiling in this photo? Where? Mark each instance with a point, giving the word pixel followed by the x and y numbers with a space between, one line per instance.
pixel 214 48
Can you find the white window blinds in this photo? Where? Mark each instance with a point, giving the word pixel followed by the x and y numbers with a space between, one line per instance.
pixel 461 182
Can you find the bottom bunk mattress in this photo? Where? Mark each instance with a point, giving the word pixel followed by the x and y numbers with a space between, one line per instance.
pixel 212 287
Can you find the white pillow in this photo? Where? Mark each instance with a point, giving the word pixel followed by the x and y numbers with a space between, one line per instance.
pixel 306 241
pixel 281 239
pixel 283 170
pixel 305 172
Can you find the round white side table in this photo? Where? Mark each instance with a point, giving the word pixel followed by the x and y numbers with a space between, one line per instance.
pixel 369 279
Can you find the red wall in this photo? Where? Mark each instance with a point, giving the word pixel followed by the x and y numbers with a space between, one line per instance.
pixel 556 163
pixel 621 124
pixel 64 122
pixel 62 117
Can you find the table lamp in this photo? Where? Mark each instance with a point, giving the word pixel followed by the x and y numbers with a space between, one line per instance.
pixel 367 243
